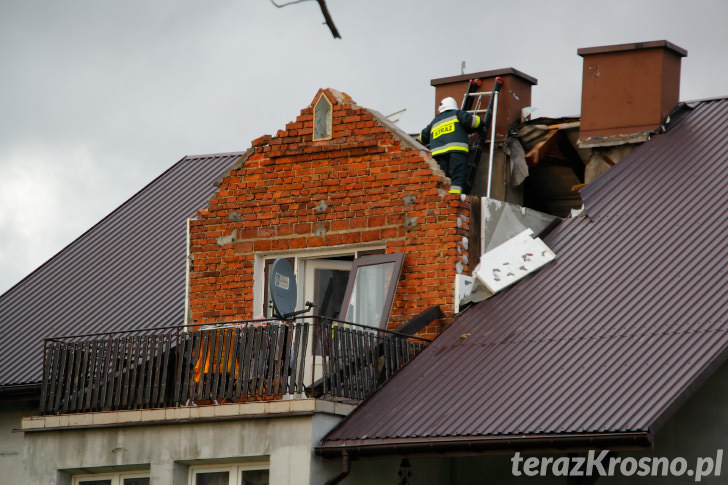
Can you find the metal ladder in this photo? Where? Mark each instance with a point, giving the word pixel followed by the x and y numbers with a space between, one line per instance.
pixel 489 121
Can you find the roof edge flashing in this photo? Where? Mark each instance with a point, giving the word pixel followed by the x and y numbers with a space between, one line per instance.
pixel 633 46
pixel 558 443
pixel 616 140
pixel 508 71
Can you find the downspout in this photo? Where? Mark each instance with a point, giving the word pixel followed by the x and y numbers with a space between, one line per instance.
pixel 344 469
pixel 188 262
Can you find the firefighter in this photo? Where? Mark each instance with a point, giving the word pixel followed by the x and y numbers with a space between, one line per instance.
pixel 447 135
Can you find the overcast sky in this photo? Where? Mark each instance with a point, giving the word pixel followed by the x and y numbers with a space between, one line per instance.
pixel 99 97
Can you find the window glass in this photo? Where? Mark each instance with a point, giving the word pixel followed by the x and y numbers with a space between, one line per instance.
pixel 329 288
pixel 368 294
pixel 136 481
pixel 212 478
pixel 254 477
pixel 322 119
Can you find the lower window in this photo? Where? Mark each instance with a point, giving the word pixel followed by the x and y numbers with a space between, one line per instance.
pixel 112 479
pixel 248 474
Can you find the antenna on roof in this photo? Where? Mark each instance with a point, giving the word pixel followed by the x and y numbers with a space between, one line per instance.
pixel 394 117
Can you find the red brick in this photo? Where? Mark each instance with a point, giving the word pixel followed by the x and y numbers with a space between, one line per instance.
pixel 351 237
pixel 297 243
pixel 369 236
pixel 262 245
pixel 340 225
pixel 266 232
pixel 302 228
pixel 358 221
pixel 279 244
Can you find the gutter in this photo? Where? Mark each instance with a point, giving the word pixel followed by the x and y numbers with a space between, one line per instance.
pixel 488 444
pixel 20 391
pixel 345 467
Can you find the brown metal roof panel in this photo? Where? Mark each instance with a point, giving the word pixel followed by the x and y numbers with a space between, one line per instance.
pixel 674 371
pixel 543 403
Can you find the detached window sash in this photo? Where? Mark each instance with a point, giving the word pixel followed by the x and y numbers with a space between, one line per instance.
pixel 248 474
pixel 370 290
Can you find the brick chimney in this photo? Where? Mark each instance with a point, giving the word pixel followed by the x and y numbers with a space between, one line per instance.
pixel 515 94
pixel 627 91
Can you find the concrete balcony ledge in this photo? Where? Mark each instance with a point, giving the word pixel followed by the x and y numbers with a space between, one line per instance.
pixel 219 412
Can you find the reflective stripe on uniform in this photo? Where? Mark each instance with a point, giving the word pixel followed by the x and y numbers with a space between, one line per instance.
pixel 476 121
pixel 445 126
pixel 451 147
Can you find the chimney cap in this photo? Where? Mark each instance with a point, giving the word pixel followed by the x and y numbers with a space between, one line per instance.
pixel 508 71
pixel 585 51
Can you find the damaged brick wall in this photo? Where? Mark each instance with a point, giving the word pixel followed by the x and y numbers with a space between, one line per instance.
pixel 368 183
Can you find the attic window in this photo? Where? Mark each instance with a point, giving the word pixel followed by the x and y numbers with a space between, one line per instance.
pixel 322 119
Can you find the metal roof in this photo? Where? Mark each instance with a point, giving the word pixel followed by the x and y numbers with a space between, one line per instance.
pixel 608 340
pixel 126 272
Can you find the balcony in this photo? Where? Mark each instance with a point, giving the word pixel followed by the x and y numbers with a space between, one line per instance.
pixel 221 363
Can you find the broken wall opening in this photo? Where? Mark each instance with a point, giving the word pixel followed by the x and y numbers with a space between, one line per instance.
pixel 546 167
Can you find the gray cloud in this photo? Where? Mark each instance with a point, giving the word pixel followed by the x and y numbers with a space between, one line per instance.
pixel 98 98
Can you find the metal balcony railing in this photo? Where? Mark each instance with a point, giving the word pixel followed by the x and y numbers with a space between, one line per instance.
pixel 228 362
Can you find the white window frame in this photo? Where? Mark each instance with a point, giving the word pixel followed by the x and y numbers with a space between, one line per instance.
pixel 300 258
pixel 116 478
pixel 233 468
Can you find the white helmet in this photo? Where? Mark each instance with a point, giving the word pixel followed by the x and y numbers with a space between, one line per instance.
pixel 447 104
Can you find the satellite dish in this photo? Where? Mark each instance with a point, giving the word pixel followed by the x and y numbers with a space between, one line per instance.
pixel 282 288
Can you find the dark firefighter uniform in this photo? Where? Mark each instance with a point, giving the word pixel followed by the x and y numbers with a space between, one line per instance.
pixel 447 135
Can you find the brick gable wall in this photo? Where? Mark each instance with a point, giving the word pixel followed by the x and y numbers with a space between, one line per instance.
pixel 366 184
